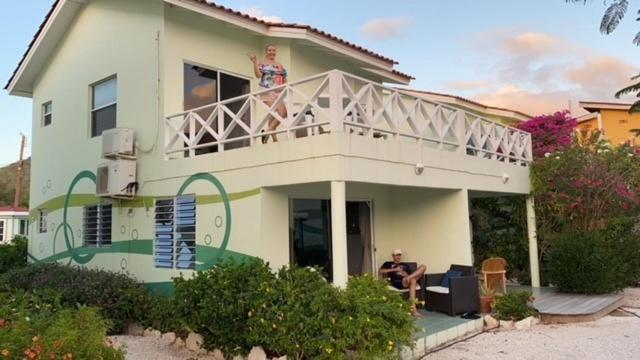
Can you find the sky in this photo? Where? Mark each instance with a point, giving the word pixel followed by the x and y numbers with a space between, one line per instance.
pixel 533 56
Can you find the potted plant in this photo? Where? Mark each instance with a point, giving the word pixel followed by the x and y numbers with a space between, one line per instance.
pixel 487 295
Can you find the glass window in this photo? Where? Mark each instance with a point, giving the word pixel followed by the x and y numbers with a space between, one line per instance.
pixel 175 241
pixel 1 230
pixel 24 227
pixel 42 221
pixel 47 113
pixel 97 225
pixel 103 106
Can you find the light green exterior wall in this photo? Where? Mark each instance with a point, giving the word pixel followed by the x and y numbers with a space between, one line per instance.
pixel 145 43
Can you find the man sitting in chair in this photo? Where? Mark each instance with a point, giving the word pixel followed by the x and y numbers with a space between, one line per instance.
pixel 398 274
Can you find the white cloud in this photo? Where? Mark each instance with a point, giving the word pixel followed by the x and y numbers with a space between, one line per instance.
pixel 542 73
pixel 385 28
pixel 260 14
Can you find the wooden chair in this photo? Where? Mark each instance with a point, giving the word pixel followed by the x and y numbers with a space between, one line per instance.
pixel 494 271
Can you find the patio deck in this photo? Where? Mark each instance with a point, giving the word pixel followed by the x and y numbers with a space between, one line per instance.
pixel 555 307
pixel 439 329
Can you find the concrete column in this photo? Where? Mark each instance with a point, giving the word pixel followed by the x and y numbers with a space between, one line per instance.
pixel 533 243
pixel 335 101
pixel 339 233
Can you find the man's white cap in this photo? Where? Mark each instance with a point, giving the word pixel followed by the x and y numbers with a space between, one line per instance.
pixel 396 252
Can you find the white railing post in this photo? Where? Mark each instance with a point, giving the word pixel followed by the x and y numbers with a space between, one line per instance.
pixel 221 128
pixel 167 138
pixel 461 132
pixel 192 136
pixel 336 111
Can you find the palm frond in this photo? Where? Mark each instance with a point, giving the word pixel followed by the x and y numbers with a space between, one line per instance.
pixel 636 40
pixel 629 89
pixel 615 12
pixel 635 107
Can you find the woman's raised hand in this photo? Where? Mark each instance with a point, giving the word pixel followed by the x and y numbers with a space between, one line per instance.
pixel 253 58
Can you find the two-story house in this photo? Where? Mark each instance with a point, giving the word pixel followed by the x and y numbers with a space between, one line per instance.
pixel 359 168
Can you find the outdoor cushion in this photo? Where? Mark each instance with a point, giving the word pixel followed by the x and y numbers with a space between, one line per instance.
pixel 447 277
pixel 401 290
pixel 438 289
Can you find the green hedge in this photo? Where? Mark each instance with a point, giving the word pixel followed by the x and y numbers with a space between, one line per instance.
pixel 120 298
pixel 596 262
pixel 296 312
pixel 13 255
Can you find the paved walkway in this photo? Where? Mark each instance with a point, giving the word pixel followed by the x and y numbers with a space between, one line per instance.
pixel 612 337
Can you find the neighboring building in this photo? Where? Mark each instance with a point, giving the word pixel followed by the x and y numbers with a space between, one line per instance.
pixel 13 221
pixel 612 119
pixel 359 169
pixel 502 115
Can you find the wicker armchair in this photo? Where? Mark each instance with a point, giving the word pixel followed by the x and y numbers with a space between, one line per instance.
pixel 462 296
pixel 494 272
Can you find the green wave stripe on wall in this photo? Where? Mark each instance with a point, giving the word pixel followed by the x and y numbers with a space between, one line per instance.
pixel 204 254
pixel 78 200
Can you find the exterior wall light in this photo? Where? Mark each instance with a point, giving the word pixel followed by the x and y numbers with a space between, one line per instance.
pixel 419 168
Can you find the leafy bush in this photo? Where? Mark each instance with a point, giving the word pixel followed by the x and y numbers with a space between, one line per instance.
pixel 297 312
pixel 216 303
pixel 374 321
pixel 120 298
pixel 514 306
pixel 36 326
pixel 13 255
pixel 596 262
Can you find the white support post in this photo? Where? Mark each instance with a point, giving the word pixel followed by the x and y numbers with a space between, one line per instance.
pixel 339 233
pixel 533 242
pixel 336 112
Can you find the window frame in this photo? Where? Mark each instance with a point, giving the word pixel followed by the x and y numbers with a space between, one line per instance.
pixel 93 110
pixel 218 82
pixel 158 222
pixel 42 221
pixel 2 230
pixel 103 239
pixel 45 113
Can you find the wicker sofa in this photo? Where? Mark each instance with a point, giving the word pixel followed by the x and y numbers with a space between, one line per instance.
pixel 462 296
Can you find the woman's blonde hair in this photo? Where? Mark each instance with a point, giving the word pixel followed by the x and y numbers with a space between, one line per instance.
pixel 268 46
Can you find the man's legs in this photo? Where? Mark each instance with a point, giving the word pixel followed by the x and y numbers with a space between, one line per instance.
pixel 412 297
pixel 414 275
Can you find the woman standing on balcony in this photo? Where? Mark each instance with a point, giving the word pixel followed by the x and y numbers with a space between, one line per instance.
pixel 271 74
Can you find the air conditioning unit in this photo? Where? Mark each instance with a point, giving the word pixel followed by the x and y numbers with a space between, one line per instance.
pixel 117 179
pixel 118 142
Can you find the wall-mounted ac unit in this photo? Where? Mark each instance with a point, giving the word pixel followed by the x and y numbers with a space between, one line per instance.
pixel 117 179
pixel 118 142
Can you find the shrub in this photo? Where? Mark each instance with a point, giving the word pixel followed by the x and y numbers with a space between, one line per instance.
pixel 296 312
pixel 36 326
pixel 374 321
pixel 596 262
pixel 216 303
pixel 120 299
pixel 13 255
pixel 514 306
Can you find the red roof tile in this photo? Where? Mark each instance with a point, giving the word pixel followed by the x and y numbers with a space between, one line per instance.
pixel 299 26
pixel 13 209
pixel 239 14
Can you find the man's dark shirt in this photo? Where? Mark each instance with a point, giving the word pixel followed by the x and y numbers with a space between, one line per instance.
pixel 394 277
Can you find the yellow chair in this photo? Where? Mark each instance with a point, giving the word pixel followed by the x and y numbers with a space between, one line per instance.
pixel 494 271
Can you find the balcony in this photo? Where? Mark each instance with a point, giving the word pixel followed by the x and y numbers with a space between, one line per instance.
pixel 335 102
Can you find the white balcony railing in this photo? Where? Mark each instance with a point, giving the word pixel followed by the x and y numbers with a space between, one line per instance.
pixel 339 102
